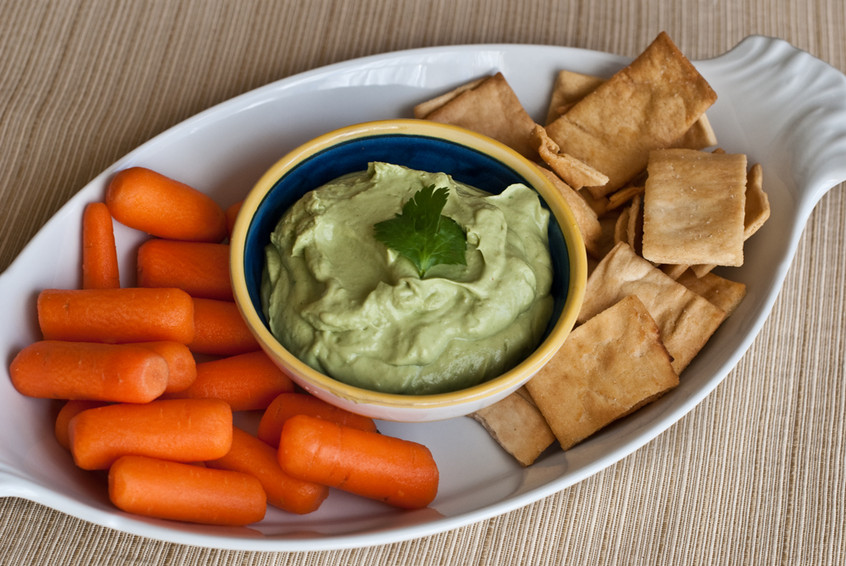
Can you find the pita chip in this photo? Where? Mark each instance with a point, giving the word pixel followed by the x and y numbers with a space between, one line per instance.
pixel 719 291
pixel 570 87
pixel 585 216
pixel 757 210
pixel 575 173
pixel 425 108
pixel 517 425
pixel 649 104
pixel 686 320
pixel 608 367
pixel 756 213
pixel 694 206
pixel 491 108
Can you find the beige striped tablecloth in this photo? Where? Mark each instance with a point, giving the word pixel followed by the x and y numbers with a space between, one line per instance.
pixel 756 474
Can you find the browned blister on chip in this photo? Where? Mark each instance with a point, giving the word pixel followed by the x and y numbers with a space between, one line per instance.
pixel 517 425
pixel 650 104
pixel 608 367
pixel 693 208
pixel 491 108
pixel 686 320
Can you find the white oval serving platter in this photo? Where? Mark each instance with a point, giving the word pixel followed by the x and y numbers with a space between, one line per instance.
pixel 782 107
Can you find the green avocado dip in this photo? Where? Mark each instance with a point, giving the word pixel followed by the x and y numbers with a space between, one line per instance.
pixel 352 308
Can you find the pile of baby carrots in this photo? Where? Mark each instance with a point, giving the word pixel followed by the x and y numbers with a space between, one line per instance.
pixel 150 376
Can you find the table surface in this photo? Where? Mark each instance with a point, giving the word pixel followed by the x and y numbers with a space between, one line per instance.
pixel 753 475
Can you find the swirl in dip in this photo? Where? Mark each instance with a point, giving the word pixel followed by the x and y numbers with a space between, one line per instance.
pixel 350 307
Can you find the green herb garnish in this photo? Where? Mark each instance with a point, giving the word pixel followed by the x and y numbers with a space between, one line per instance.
pixel 422 234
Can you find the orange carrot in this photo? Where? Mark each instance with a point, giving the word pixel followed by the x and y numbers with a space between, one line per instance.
pixel 232 214
pixel 99 254
pixel 183 430
pixel 56 369
pixel 399 472
pixel 181 366
pixel 148 201
pixel 199 268
pixel 246 381
pixel 220 330
pixel 116 315
pixel 68 411
pixel 287 405
pixel 252 456
pixel 183 492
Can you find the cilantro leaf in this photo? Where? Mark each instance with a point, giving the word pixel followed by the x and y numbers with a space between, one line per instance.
pixel 422 234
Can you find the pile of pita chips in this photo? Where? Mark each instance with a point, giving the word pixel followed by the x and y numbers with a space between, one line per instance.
pixel 658 212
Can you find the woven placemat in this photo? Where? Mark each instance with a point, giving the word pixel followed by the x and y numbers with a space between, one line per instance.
pixel 754 475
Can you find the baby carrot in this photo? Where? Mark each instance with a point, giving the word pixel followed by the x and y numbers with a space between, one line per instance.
pixel 181 366
pixel 68 411
pixel 199 268
pixel 99 254
pixel 148 201
pixel 231 213
pixel 116 315
pixel 246 381
pixel 220 330
pixel 287 405
pixel 183 430
pixel 399 472
pixel 252 456
pixel 183 492
pixel 56 369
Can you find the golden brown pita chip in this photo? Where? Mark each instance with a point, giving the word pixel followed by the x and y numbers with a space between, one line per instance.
pixel 569 88
pixel 702 269
pixel 648 105
pixel 719 291
pixel 621 227
pixel 699 136
pixel 756 214
pixel 674 270
pixel 629 225
pixel 624 195
pixel 608 224
pixel 575 173
pixel 608 367
pixel 493 109
pixel 517 425
pixel 757 203
pixel 425 108
pixel 599 205
pixel 694 207
pixel 585 216
pixel 686 319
